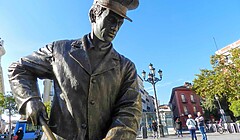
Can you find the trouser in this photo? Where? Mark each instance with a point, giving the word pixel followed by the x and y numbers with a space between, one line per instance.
pixel 179 132
pixel 155 134
pixel 203 132
pixel 193 133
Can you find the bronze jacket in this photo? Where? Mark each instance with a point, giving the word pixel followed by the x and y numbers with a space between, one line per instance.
pixel 103 104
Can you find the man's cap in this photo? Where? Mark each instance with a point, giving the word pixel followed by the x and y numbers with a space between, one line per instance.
pixel 119 6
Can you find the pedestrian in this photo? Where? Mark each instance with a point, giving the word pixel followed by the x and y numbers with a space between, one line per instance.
pixel 191 124
pixel 37 134
pixel 178 127
pixel 155 129
pixel 19 134
pixel 96 93
pixel 7 132
pixel 201 125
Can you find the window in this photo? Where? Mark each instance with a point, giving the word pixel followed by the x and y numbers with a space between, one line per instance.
pixel 228 59
pixel 31 128
pixel 183 98
pixel 185 110
pixel 195 110
pixel 192 98
pixel 143 101
pixel 148 108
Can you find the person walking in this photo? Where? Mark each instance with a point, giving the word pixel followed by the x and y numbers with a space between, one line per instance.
pixel 201 125
pixel 191 124
pixel 155 129
pixel 19 134
pixel 178 127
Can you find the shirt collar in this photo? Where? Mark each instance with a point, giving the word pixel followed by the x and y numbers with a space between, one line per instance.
pixel 91 46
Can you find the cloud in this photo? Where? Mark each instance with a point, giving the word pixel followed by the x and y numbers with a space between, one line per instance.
pixel 166 84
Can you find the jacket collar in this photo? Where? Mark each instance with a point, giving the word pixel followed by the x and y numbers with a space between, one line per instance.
pixel 78 53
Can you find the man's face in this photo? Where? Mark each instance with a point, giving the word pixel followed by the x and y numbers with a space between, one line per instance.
pixel 107 25
pixel 199 114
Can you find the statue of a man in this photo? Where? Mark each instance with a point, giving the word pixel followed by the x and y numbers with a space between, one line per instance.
pixel 96 94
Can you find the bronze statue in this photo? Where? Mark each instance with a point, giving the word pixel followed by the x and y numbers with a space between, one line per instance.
pixel 96 94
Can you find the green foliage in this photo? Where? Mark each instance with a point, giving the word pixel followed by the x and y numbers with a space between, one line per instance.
pixel 8 103
pixel 1 102
pixel 48 107
pixel 235 108
pixel 222 80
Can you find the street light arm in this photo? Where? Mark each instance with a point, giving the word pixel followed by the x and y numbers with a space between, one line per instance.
pixel 157 80
pixel 149 80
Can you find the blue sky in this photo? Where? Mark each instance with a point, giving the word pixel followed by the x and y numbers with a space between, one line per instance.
pixel 176 36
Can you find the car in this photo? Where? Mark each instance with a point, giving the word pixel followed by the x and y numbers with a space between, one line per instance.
pixel 30 131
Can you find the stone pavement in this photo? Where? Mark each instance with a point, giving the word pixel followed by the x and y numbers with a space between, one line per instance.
pixel 211 136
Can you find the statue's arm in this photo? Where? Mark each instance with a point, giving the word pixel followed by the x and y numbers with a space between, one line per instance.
pixel 128 108
pixel 23 77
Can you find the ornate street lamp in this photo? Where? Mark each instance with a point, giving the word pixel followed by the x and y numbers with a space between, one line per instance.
pixel 153 80
pixel 220 108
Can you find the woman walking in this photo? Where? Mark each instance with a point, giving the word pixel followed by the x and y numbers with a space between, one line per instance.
pixel 178 127
pixel 191 124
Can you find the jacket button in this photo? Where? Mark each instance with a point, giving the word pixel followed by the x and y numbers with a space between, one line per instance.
pixel 94 80
pixel 92 102
pixel 84 126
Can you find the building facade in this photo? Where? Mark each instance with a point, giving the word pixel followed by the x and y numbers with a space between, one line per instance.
pixel 148 106
pixel 226 50
pixel 47 90
pixel 184 101
pixel 166 116
pixel 2 52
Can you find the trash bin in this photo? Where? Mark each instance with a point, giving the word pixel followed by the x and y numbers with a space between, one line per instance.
pixel 144 132
pixel 236 128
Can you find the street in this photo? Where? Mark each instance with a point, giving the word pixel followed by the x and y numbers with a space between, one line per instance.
pixel 211 136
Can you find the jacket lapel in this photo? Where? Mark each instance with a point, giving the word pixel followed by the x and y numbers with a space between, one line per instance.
pixel 110 61
pixel 78 53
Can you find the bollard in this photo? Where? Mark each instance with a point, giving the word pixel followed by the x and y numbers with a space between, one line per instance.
pixel 232 128
pixel 214 127
pixel 238 127
pixel 144 132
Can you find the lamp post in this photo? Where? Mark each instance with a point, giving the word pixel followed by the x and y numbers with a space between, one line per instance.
pixel 221 110
pixel 153 80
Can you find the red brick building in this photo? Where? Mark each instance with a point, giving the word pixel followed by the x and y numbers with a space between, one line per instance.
pixel 184 101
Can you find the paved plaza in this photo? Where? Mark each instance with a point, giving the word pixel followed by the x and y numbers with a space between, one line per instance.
pixel 211 136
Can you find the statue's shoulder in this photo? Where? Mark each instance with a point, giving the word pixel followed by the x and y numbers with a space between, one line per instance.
pixel 71 42
pixel 125 60
pixel 65 43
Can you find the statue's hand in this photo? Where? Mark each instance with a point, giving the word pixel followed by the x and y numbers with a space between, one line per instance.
pixel 35 109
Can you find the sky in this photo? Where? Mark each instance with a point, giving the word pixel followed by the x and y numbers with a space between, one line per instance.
pixel 176 36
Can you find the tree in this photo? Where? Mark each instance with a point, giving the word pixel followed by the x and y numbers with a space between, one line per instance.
pixel 8 104
pixel 222 80
pixel 235 108
pixel 1 103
